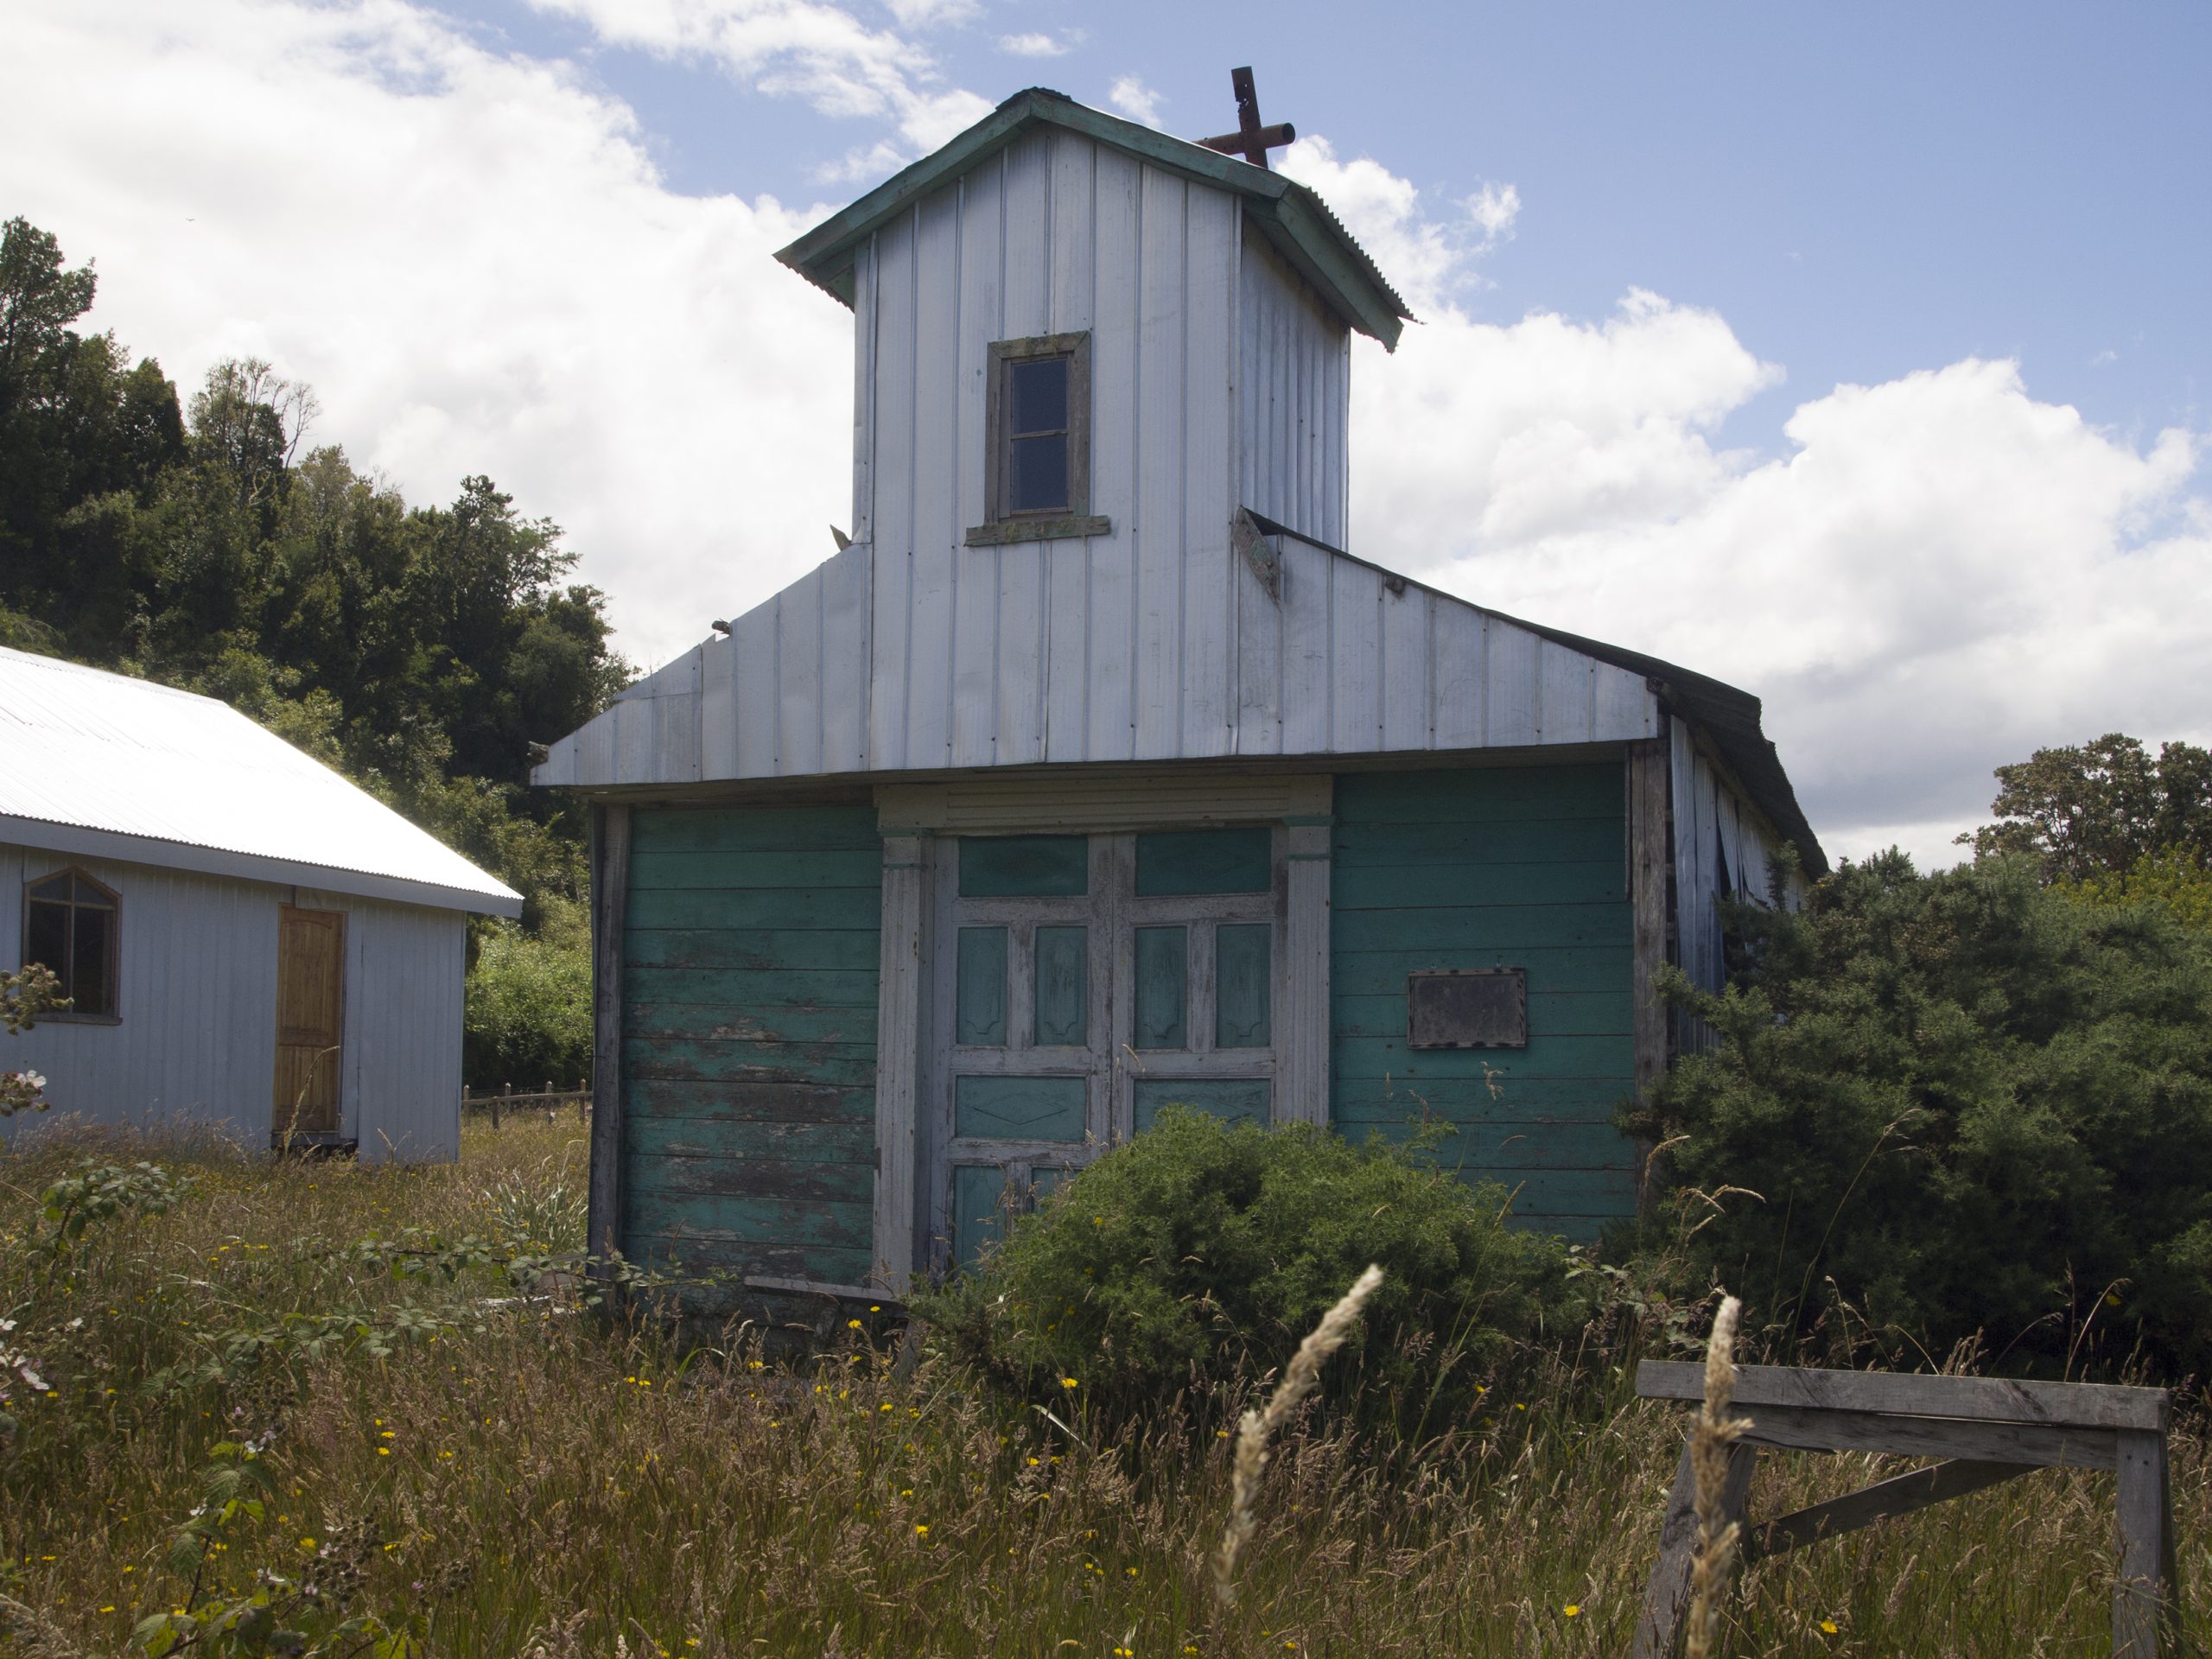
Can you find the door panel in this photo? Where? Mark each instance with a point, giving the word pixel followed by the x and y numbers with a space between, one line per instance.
pixel 1019 1108
pixel 310 1020
pixel 1240 1100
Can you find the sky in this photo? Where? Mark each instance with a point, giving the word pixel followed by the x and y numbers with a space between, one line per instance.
pixel 1858 356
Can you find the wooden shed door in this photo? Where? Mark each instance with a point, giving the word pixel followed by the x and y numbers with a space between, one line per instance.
pixel 310 1014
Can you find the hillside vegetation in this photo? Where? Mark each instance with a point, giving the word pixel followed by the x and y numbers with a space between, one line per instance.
pixel 216 543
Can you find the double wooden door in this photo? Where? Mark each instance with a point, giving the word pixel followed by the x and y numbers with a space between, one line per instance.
pixel 1081 983
pixel 310 1020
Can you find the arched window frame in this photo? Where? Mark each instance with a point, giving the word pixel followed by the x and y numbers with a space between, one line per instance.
pixel 112 1014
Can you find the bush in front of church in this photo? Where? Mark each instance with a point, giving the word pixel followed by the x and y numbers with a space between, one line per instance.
pixel 1191 1261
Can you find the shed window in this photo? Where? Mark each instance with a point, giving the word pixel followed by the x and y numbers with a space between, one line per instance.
pixel 1037 426
pixel 69 926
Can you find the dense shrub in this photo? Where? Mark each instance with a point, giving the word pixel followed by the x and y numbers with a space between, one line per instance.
pixel 528 1016
pixel 1198 1254
pixel 1967 1103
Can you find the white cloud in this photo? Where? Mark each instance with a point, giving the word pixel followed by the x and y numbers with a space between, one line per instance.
pixel 1134 99
pixel 934 14
pixel 472 259
pixel 1943 574
pixel 1034 46
pixel 1426 259
pixel 1494 208
pixel 803 49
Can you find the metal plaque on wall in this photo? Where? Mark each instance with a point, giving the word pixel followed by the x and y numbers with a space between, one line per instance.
pixel 1467 1007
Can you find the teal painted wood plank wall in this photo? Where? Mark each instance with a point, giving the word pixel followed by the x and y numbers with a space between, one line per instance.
pixel 748 1039
pixel 1521 867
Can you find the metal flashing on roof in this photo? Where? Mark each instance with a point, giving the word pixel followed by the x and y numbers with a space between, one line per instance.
pixel 1295 220
pixel 102 765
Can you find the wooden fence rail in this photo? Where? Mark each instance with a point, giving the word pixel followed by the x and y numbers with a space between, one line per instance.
pixel 1989 1429
pixel 503 1100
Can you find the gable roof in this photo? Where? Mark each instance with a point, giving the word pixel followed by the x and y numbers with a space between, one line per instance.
pixel 106 766
pixel 1294 220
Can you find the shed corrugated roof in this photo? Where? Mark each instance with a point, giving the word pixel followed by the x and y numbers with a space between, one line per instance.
pixel 1292 218
pixel 143 772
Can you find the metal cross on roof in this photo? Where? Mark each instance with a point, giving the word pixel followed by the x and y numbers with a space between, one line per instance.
pixel 1250 140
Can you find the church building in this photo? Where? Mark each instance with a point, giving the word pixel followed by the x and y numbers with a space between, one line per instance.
pixel 1096 774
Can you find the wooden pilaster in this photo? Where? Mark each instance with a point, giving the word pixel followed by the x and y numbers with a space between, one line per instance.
pixel 610 892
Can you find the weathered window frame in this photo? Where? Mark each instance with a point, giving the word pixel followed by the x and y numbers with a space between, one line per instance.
pixel 1002 525
pixel 112 1014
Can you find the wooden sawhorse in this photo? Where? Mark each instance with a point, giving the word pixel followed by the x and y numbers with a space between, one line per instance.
pixel 1990 1430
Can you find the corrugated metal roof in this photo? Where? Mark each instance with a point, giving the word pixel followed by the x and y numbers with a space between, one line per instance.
pixel 93 751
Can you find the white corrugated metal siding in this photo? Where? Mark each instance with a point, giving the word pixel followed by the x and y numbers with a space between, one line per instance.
pixel 196 993
pixel 403 1001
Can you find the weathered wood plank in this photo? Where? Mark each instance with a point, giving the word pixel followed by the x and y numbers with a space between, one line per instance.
pixel 1486 927
pixel 1881 1502
pixel 2146 1612
pixel 719 1022
pixel 1659 1628
pixel 610 882
pixel 1516 842
pixel 755 830
pixel 1480 794
pixel 1827 1429
pixel 1469 1104
pixel 1507 1148
pixel 699 1252
pixel 690 1059
pixel 749 1099
pixel 1549 968
pixel 1371 887
pixel 665 966
pixel 798 909
pixel 1648 806
pixel 1570 1013
pixel 793 1180
pixel 1984 1399
pixel 809 1223
pixel 728 870
pixel 897 1104
pixel 851 1140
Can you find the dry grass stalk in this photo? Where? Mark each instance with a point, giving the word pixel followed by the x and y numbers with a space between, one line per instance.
pixel 1713 1442
pixel 1258 1428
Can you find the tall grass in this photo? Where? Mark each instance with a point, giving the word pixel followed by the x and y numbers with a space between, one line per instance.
pixel 505 1473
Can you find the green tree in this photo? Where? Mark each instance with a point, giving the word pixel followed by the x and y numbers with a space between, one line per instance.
pixel 2101 807
pixel 1960 1103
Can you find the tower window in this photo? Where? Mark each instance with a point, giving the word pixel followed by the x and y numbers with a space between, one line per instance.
pixel 1037 426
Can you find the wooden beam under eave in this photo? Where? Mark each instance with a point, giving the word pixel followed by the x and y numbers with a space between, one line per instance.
pixel 610 896
pixel 1650 859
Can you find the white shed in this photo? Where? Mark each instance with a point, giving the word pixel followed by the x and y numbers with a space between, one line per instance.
pixel 250 941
